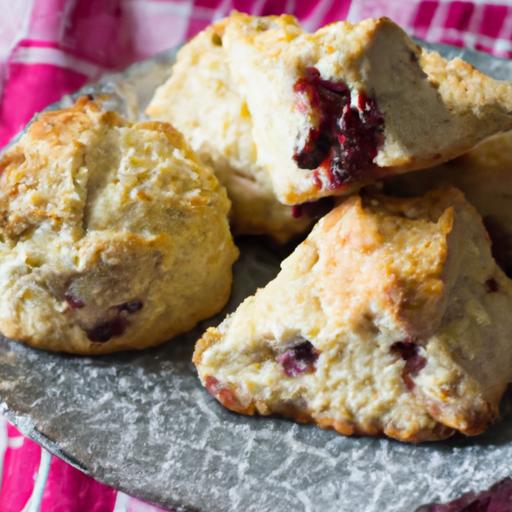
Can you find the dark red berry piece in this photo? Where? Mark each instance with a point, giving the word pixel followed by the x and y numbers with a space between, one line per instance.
pixel 297 211
pixel 491 285
pixel 223 394
pixel 73 301
pixel 298 359
pixel 107 330
pixel 347 138
pixel 414 363
pixel 131 307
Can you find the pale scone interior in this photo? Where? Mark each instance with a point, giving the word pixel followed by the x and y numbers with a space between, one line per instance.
pixel 350 103
pixel 484 174
pixel 391 317
pixel 201 100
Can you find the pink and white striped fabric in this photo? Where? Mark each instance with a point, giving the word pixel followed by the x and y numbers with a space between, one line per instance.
pixel 51 47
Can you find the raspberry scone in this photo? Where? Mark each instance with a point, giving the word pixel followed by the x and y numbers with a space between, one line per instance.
pixel 201 101
pixel 485 176
pixel 112 235
pixel 391 317
pixel 354 102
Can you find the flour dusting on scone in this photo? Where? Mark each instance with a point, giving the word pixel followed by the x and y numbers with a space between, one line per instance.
pixel 391 317
pixel 112 235
pixel 351 103
pixel 484 174
pixel 201 100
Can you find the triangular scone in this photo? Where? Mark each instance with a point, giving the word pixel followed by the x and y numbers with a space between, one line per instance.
pixel 202 102
pixel 353 102
pixel 485 176
pixel 391 317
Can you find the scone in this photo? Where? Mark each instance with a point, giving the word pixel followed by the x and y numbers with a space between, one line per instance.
pixel 391 317
pixel 354 102
pixel 485 176
pixel 112 235
pixel 201 101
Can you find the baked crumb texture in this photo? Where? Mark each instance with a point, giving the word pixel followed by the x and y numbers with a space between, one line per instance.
pixel 484 174
pixel 391 318
pixel 328 112
pixel 112 235
pixel 201 100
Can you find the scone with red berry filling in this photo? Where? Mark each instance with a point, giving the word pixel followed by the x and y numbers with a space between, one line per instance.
pixel 391 318
pixel 113 235
pixel 484 174
pixel 354 102
pixel 201 100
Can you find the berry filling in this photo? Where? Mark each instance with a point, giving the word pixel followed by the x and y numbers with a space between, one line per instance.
pixel 346 138
pixel 117 324
pixel 109 329
pixel 298 359
pixel 491 285
pixel 224 395
pixel 73 301
pixel 414 363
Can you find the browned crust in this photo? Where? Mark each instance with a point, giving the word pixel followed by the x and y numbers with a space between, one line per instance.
pixel 226 395
pixel 211 336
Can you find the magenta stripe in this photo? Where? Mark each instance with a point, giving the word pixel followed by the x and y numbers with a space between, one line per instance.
pixel 73 490
pixel 459 15
pixel 493 19
pixel 20 469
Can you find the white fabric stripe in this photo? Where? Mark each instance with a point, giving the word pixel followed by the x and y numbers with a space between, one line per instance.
pixel 257 7
pixel 154 7
pixel 56 57
pixel 438 20
pixel 453 33
pixel 121 504
pixel 222 10
pixel 504 35
pixel 15 442
pixel 15 10
pixel 353 12
pixel 34 503
pixel 313 21
pixel 471 36
pixel 3 444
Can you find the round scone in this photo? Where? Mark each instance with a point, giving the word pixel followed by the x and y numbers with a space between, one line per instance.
pixel 112 235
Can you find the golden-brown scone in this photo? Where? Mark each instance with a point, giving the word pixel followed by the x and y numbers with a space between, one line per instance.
pixel 113 235
pixel 354 102
pixel 485 176
pixel 201 101
pixel 391 317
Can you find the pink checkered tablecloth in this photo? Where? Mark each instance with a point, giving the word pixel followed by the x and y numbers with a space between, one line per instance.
pixel 51 47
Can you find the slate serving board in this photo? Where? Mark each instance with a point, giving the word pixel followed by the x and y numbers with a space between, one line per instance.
pixel 141 421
